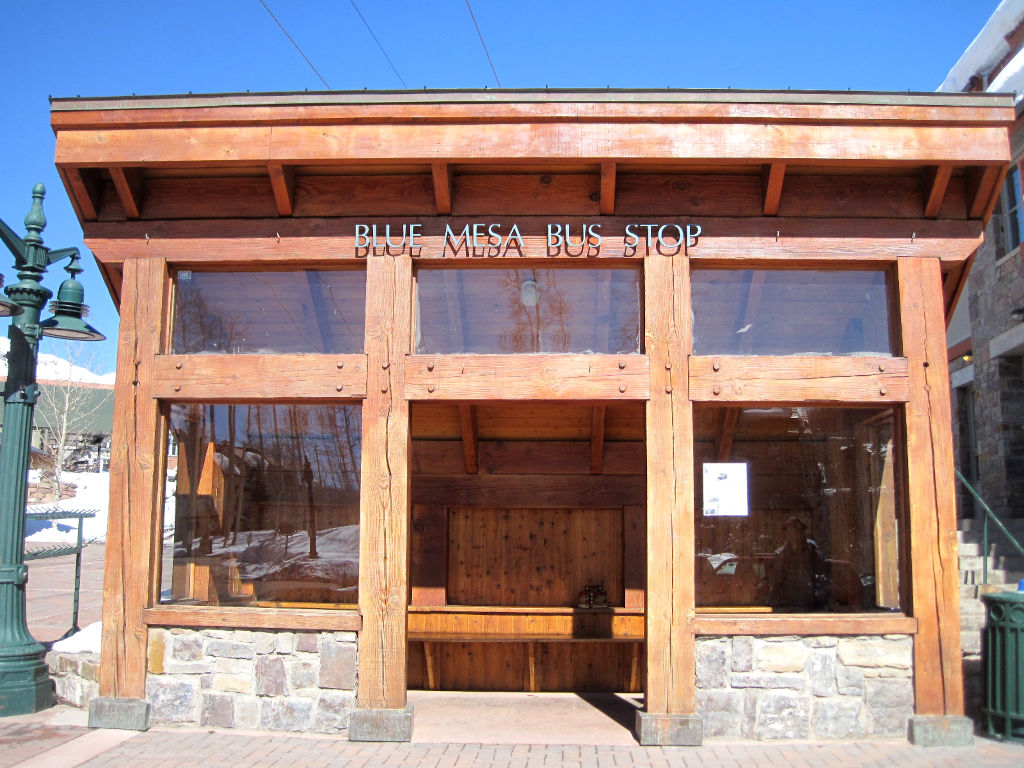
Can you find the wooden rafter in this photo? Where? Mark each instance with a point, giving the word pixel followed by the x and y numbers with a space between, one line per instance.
pixel 608 171
pixel 597 440
pixel 84 195
pixel 936 181
pixel 282 180
pixel 982 189
pixel 467 424
pixel 772 176
pixel 444 183
pixel 128 183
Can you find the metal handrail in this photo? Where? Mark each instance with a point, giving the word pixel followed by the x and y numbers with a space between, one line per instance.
pixel 984 526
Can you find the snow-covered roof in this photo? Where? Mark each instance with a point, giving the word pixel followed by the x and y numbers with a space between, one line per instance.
pixel 987 50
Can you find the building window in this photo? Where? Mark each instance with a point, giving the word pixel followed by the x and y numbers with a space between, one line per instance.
pixel 790 312
pixel 262 505
pixel 517 311
pixel 303 311
pixel 796 509
pixel 1009 223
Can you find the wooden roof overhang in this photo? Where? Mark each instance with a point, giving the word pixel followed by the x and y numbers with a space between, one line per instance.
pixel 774 175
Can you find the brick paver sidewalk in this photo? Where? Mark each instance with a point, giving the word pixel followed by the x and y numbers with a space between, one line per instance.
pixel 39 745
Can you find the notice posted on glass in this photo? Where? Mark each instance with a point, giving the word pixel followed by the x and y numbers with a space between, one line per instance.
pixel 725 490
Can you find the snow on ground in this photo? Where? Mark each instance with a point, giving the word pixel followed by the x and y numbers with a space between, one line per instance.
pixel 93 489
pixel 86 640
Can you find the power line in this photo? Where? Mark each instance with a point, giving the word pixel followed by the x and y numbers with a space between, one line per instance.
pixel 368 29
pixel 481 36
pixel 304 56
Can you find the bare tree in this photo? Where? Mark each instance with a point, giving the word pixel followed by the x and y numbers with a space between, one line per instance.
pixel 66 414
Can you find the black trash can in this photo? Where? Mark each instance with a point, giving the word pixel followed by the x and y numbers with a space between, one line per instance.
pixel 1002 665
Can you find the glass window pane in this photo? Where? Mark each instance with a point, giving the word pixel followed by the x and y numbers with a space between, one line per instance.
pixel 515 311
pixel 269 312
pixel 262 505
pixel 790 312
pixel 796 509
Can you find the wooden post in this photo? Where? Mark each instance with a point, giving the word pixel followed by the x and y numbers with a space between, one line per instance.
pixel 135 481
pixel 938 683
pixel 384 507
pixel 670 689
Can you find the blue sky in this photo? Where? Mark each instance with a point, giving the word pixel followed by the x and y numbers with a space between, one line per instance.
pixel 115 47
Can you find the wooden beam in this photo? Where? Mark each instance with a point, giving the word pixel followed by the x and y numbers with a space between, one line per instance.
pixel 467 423
pixel 282 181
pixel 723 442
pixel 597 440
pixel 608 188
pixel 936 181
pixel 136 482
pixel 752 379
pixel 282 378
pixel 983 189
pixel 567 141
pixel 240 617
pixel 527 377
pixel 772 176
pixel 327 240
pixel 670 648
pixel 128 183
pixel 384 490
pixel 444 183
pixel 823 624
pixel 529 491
pixel 526 457
pixel 931 496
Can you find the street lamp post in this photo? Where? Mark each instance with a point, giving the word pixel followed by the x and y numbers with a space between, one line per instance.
pixel 24 678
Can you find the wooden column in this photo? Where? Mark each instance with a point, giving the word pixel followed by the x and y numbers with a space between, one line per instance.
pixel 136 477
pixel 938 683
pixel 384 498
pixel 670 689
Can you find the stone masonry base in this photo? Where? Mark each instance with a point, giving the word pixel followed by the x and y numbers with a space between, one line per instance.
pixel 820 687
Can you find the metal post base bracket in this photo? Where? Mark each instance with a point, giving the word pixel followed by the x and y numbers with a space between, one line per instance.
pixel 381 724
pixel 123 714
pixel 663 730
pixel 25 685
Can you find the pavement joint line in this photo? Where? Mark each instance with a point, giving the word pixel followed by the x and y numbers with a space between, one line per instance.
pixel 79 750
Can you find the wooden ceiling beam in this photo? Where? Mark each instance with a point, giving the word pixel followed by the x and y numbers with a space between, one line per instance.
pixel 983 184
pixel 444 184
pixel 467 423
pixel 772 176
pixel 936 182
pixel 597 440
pixel 128 183
pixel 608 172
pixel 282 181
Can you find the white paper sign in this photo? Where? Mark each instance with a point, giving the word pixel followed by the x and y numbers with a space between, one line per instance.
pixel 725 490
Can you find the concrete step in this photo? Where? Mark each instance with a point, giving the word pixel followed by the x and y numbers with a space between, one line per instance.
pixel 1002 562
pixel 995 548
pixel 995 576
pixel 974 591
pixel 974 525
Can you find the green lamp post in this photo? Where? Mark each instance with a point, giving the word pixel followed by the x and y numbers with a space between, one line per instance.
pixel 24 678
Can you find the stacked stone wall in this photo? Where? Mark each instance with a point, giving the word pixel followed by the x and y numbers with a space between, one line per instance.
pixel 272 680
pixel 820 687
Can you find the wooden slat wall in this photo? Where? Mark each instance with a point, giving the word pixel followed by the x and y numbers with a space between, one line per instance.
pixel 938 682
pixel 136 465
pixel 670 649
pixel 384 503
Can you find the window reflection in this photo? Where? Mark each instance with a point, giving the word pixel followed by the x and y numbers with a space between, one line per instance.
pixel 262 505
pixel 790 312
pixel 269 312
pixel 815 528
pixel 517 311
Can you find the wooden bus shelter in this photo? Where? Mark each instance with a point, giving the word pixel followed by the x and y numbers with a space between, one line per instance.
pixel 485 361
